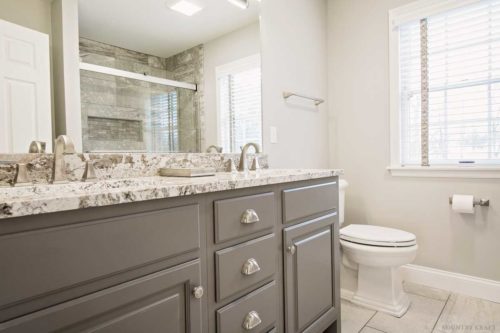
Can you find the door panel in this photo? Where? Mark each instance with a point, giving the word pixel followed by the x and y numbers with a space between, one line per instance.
pixel 159 303
pixel 309 273
pixel 25 102
pixel 314 269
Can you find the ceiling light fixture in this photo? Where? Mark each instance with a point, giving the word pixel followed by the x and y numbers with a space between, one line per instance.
pixel 243 4
pixel 186 8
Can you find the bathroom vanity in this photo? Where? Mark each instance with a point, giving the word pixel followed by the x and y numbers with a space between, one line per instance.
pixel 228 253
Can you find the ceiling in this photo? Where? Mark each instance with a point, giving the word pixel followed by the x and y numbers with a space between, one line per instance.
pixel 151 27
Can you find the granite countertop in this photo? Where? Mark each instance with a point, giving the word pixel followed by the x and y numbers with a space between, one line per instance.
pixel 44 198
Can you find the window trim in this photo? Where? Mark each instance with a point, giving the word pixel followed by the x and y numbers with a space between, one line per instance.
pixel 397 16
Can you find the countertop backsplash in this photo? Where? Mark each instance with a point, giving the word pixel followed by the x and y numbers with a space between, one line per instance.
pixel 115 165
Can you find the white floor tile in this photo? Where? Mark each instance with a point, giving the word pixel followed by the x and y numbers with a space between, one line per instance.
pixel 420 318
pixel 418 289
pixel 354 317
pixel 469 314
pixel 370 330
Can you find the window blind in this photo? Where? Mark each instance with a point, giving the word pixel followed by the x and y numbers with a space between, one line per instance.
pixel 449 67
pixel 239 103
pixel 165 122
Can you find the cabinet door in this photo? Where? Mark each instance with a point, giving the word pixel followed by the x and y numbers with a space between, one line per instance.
pixel 309 250
pixel 163 302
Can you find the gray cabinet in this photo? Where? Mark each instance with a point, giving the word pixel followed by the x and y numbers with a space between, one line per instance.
pixel 264 257
pixel 309 250
pixel 166 301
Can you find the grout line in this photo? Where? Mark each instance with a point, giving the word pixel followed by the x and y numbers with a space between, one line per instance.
pixel 368 321
pixel 376 329
pixel 441 313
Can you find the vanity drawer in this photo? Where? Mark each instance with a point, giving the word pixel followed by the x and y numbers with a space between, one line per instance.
pixel 242 266
pixel 243 216
pixel 301 202
pixel 259 305
pixel 65 256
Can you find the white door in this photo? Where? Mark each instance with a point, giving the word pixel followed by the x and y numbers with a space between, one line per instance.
pixel 25 102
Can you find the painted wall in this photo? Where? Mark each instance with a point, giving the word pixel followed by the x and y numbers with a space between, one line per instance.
pixel 359 101
pixel 294 58
pixel 230 47
pixel 33 14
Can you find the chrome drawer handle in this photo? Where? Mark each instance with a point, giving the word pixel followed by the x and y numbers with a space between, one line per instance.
pixel 251 321
pixel 251 266
pixel 198 292
pixel 291 249
pixel 249 216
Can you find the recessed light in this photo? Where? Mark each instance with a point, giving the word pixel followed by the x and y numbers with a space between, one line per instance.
pixel 186 8
pixel 243 4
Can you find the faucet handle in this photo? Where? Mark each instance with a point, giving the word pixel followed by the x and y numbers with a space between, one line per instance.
pixel 255 164
pixel 37 147
pixel 89 173
pixel 231 166
pixel 68 146
pixel 21 176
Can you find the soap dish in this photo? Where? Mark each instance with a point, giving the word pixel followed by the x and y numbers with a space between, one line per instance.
pixel 187 172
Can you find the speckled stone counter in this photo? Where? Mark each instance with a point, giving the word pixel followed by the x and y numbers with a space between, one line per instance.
pixel 115 165
pixel 45 198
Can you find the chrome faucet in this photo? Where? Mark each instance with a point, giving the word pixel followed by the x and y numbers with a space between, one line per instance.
pixel 218 149
pixel 63 145
pixel 243 157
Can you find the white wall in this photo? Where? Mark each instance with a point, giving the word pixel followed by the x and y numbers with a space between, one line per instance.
pixel 293 37
pixel 359 100
pixel 228 48
pixel 33 14
pixel 66 70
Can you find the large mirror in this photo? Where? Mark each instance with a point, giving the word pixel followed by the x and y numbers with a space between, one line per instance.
pixel 154 76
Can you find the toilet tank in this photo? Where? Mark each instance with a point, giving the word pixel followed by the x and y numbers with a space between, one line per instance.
pixel 342 188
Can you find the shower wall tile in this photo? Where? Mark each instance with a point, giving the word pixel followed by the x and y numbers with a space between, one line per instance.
pixel 109 97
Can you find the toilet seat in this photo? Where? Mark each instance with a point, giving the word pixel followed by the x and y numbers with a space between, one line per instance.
pixel 377 236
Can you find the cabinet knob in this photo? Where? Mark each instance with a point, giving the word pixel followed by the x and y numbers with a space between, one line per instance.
pixel 251 266
pixel 198 292
pixel 291 249
pixel 251 321
pixel 249 216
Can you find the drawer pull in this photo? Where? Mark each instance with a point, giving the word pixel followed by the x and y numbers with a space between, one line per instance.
pixel 291 249
pixel 198 292
pixel 249 216
pixel 251 321
pixel 250 267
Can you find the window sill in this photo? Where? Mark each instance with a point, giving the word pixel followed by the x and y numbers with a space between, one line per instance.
pixel 484 172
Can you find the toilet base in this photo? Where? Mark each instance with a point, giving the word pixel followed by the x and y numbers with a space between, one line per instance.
pixel 381 289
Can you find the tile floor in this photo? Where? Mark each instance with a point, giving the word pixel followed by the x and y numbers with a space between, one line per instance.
pixel 431 311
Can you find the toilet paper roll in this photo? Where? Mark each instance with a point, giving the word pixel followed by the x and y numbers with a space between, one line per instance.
pixel 463 203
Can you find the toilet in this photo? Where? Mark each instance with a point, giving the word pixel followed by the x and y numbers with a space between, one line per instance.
pixel 377 253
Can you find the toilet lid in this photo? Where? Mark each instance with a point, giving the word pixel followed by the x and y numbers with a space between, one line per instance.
pixel 378 236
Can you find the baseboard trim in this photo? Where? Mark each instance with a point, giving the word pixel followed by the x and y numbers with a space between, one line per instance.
pixel 346 294
pixel 454 282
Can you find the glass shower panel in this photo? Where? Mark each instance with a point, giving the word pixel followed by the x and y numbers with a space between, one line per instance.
pixel 126 115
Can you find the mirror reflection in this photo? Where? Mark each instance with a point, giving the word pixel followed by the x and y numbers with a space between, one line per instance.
pixel 180 77
pixel 154 76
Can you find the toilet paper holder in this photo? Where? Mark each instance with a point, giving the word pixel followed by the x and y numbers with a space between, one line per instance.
pixel 476 202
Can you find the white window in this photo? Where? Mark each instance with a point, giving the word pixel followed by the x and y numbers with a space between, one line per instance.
pixel 445 84
pixel 165 122
pixel 239 103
